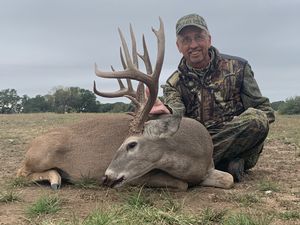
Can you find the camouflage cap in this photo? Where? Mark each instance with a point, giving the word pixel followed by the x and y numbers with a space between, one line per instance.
pixel 191 20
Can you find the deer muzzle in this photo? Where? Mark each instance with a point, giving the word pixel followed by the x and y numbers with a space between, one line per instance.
pixel 112 182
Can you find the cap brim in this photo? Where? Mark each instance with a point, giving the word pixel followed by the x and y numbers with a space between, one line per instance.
pixel 188 25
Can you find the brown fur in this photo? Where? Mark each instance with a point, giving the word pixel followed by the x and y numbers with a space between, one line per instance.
pixel 81 150
pixel 88 150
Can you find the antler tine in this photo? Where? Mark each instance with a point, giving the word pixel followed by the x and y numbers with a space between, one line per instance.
pixel 126 51
pixel 146 58
pixel 129 83
pixel 134 51
pixel 153 78
pixel 131 72
pixel 140 93
pixel 122 59
pixel 123 91
pixel 120 93
pixel 161 49
pixel 127 92
pixel 121 85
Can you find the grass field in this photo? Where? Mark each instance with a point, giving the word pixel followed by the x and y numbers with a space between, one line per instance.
pixel 270 193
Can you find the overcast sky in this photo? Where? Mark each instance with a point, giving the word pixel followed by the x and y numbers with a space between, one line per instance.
pixel 50 43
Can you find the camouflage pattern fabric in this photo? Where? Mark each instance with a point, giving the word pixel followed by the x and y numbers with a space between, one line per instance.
pixel 216 94
pixel 226 99
pixel 243 137
pixel 191 20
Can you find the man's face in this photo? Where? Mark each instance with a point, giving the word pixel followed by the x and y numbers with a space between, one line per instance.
pixel 194 43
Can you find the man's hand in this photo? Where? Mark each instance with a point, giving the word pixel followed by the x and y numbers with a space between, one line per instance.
pixel 158 107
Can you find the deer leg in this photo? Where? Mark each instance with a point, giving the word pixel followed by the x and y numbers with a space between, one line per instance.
pixel 160 179
pixel 217 178
pixel 50 175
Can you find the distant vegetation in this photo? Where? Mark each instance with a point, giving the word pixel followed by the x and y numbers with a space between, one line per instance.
pixel 290 106
pixel 77 100
pixel 275 105
pixel 62 100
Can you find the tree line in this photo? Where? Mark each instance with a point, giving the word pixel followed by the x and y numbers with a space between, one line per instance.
pixel 62 100
pixel 290 106
pixel 75 99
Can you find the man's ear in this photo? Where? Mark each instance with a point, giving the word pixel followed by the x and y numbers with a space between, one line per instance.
pixel 178 46
pixel 209 38
pixel 165 126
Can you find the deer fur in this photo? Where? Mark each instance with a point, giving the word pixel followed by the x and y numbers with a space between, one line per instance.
pixel 78 151
pixel 88 150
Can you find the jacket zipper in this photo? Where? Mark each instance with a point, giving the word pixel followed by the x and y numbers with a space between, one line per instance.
pixel 201 109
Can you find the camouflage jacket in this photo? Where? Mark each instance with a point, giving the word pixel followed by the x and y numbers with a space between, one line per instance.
pixel 216 94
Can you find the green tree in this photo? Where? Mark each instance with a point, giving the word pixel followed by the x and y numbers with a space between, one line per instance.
pixel 116 107
pixel 50 100
pixel 88 101
pixel 275 105
pixel 104 107
pixel 290 106
pixel 120 107
pixel 9 101
pixel 74 99
pixel 61 100
pixel 37 104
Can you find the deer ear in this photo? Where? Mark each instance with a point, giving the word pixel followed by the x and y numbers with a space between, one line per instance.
pixel 164 126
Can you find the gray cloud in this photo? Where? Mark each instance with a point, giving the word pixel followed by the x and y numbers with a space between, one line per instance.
pixel 49 43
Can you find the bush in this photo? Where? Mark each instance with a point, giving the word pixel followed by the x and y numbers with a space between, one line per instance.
pixel 9 101
pixel 290 106
pixel 276 105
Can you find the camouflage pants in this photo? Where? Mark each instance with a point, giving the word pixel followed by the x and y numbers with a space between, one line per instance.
pixel 243 137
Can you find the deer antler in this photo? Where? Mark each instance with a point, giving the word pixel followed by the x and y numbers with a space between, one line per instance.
pixel 131 72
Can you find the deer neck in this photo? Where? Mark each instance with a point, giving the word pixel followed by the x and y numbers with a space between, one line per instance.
pixel 174 160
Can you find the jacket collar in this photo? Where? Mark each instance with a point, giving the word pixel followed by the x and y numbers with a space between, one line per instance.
pixel 212 66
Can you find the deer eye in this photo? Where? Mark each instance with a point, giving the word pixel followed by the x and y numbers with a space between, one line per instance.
pixel 131 145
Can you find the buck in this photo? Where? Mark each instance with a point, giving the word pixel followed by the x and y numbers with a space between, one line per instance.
pixel 163 152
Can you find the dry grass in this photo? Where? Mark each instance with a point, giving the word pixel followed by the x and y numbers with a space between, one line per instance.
pixel 286 129
pixel 269 195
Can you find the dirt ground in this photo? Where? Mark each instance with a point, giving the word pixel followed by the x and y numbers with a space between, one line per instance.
pixel 279 165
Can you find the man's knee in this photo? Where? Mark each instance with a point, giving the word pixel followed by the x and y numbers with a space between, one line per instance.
pixel 256 120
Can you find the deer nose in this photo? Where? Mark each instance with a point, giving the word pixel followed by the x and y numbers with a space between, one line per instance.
pixel 107 181
pixel 104 180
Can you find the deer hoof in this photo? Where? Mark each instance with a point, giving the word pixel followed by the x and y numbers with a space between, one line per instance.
pixel 55 186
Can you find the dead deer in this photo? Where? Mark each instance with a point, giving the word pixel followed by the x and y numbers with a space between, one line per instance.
pixel 166 152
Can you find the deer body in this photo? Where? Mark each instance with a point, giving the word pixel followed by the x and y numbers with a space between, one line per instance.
pixel 82 150
pixel 166 152
pixel 88 150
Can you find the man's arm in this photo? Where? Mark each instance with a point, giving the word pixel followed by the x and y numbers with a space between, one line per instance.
pixel 251 95
pixel 172 99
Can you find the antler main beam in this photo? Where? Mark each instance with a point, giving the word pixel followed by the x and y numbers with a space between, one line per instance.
pixel 132 72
